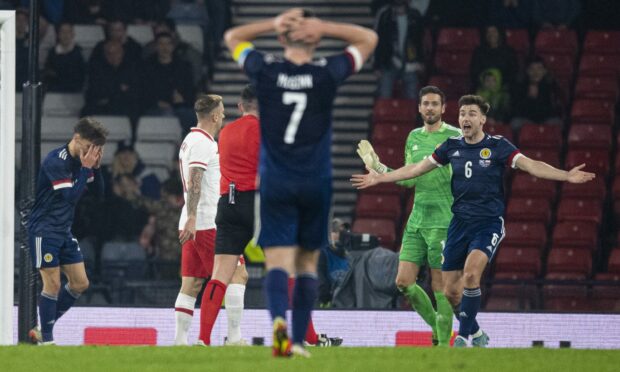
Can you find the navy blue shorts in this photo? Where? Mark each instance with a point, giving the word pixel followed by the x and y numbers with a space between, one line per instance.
pixel 53 252
pixel 294 212
pixel 466 235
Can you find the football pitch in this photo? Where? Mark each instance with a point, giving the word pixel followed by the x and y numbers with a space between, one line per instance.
pixel 254 359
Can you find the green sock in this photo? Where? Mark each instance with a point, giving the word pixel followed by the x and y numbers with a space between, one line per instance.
pixel 422 304
pixel 444 319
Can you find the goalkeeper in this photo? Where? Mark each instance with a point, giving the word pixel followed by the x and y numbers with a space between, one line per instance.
pixel 427 227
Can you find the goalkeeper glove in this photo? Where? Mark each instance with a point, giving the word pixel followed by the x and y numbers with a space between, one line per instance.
pixel 370 157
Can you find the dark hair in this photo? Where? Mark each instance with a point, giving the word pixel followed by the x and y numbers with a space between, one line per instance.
pixel 172 186
pixel 500 30
pixel 60 24
pixel 248 95
pixel 170 23
pixel 206 103
pixel 163 34
pixel 306 13
pixel 91 130
pixel 535 59
pixel 431 89
pixel 471 99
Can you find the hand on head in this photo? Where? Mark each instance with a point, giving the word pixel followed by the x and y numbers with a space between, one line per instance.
pixel 91 158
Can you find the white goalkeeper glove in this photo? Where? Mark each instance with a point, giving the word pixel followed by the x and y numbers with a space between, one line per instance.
pixel 370 157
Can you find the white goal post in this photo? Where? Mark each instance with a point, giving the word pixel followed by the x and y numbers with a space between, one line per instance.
pixel 7 173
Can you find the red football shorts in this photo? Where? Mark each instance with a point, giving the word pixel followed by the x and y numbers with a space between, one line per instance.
pixel 197 255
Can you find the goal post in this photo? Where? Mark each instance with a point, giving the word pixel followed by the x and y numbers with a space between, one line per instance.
pixel 7 173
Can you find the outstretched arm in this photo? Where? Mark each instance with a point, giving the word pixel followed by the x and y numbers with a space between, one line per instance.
pixel 543 170
pixel 372 178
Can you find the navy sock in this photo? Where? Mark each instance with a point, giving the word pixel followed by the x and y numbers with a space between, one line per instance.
pixel 474 327
pixel 470 304
pixel 47 315
pixel 276 291
pixel 66 299
pixel 304 296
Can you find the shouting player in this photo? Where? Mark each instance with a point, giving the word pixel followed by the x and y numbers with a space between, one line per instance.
pixel 63 178
pixel 478 162
pixel 295 96
pixel 427 227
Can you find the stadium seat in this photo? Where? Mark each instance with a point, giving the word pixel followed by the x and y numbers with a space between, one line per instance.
pixel 556 41
pixel 511 259
pixel 593 87
pixel 576 304
pixel 193 35
pixel 602 42
pixel 502 303
pixel 594 189
pixel 122 260
pixel 526 185
pixel 143 34
pixel 560 65
pixel 451 116
pixel 513 275
pixel 457 39
pixel 613 265
pixel 378 206
pixel 519 40
pixel 46 147
pixel 392 133
pixel 592 111
pixel 540 136
pixel 597 161
pixel 525 235
pixel 528 209
pixel 498 130
pixel 63 104
pixel 119 127
pixel 384 229
pixel 391 155
pixel 57 128
pixel 569 260
pixel 586 210
pixel 577 235
pixel 87 36
pixel 395 110
pixel 156 153
pixel 159 129
pixel 550 157
pixel 453 62
pixel 599 65
pixel 585 136
pixel 453 86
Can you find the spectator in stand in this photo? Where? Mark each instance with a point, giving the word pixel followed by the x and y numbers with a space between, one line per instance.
pixel 65 69
pixel 182 50
pixel 127 162
pixel 21 48
pixel 399 53
pixel 116 30
pixel 124 220
pixel 512 13
pixel 493 91
pixel 112 85
pixel 556 13
pixel 333 264
pixel 220 19
pixel 189 12
pixel 535 98
pixel 494 53
pixel 85 12
pixel 168 87
pixel 52 10
pixel 448 13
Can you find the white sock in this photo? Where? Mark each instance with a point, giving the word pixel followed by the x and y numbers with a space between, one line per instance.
pixel 477 334
pixel 234 310
pixel 184 311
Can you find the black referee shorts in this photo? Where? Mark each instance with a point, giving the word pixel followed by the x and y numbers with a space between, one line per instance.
pixel 235 223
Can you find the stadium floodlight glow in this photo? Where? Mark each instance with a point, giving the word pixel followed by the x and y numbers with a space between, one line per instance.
pixel 7 173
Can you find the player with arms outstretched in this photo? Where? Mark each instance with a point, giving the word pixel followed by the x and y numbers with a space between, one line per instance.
pixel 478 162
pixel 295 97
pixel 65 174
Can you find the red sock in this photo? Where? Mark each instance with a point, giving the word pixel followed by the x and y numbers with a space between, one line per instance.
pixel 311 337
pixel 209 308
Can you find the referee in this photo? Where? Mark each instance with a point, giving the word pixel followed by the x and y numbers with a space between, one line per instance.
pixel 239 144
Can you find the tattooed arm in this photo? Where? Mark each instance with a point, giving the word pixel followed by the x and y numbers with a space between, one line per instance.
pixel 193 197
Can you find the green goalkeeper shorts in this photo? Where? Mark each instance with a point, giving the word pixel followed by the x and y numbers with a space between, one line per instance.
pixel 422 246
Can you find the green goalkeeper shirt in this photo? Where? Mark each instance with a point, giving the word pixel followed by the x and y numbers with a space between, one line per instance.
pixel 433 194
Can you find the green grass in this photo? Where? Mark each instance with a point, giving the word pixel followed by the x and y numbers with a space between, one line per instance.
pixel 254 359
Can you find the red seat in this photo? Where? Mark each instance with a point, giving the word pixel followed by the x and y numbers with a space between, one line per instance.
pixel 455 39
pixel 513 275
pixel 502 303
pixel 584 136
pixel 378 206
pixel 599 65
pixel 550 157
pixel 557 41
pixel 384 229
pixel 391 155
pixel 568 260
pixel 605 42
pixel 525 235
pixel 596 161
pixel 529 209
pixel 618 161
pixel 395 110
pixel 578 235
pixel 518 260
pixel 526 185
pixel 568 305
pixel 453 62
pixel 453 86
pixel 614 262
pixel 597 88
pixel 594 189
pixel 394 133
pixel 386 188
pixel 540 136
pixel 519 40
pixel 586 210
pixel 499 130
pixel 451 116
pixel 608 277
pixel 560 65
pixel 592 111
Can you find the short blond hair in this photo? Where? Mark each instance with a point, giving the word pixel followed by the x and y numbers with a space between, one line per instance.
pixel 206 103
